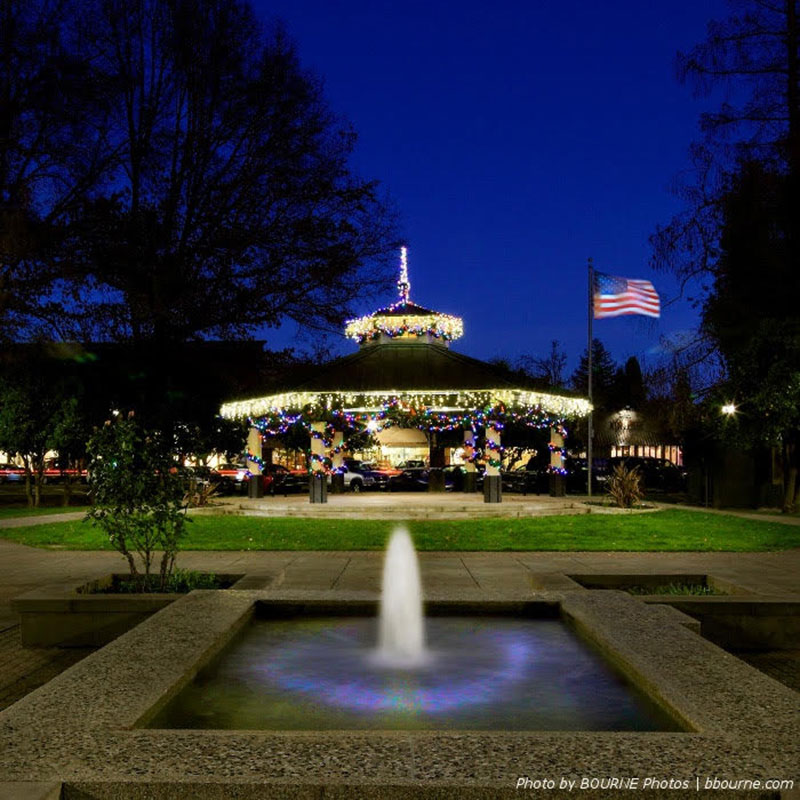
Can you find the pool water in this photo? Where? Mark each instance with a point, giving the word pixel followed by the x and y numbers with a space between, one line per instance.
pixel 481 673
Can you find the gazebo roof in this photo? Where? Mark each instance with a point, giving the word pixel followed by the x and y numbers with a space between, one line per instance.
pixel 403 308
pixel 406 366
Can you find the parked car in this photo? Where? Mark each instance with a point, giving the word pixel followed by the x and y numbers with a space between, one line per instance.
pixel 658 474
pixel 231 477
pixel 379 476
pixel 411 464
pixel 410 480
pixel 11 473
pixel 525 480
pixel 282 480
pixel 416 479
pixel 577 472
pixel 356 476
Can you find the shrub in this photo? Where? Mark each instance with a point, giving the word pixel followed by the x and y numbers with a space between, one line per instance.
pixel 198 493
pixel 137 487
pixel 181 581
pixel 625 486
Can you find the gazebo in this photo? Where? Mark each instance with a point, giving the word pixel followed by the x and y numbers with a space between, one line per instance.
pixel 405 376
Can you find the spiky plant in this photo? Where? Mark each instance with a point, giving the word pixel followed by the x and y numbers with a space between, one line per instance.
pixel 625 486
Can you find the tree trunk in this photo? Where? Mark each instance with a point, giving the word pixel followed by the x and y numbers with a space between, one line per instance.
pixel 38 480
pixel 28 487
pixel 790 473
pixel 67 493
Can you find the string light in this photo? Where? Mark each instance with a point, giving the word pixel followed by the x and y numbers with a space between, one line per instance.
pixel 404 285
pixel 519 402
pixel 561 450
pixel 494 448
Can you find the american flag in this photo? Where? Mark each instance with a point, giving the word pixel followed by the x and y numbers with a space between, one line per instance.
pixel 614 297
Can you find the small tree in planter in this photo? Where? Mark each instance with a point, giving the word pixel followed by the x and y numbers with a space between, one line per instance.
pixel 137 487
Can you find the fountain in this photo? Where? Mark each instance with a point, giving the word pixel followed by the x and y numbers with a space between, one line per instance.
pixel 401 641
pixel 491 672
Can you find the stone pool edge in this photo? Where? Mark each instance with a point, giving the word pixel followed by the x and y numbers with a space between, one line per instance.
pixel 79 728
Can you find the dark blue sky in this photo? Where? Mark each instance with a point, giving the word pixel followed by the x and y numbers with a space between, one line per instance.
pixel 517 139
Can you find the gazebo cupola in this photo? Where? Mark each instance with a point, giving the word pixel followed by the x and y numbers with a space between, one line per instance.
pixel 405 321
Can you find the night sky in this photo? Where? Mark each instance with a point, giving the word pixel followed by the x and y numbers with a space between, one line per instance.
pixel 516 139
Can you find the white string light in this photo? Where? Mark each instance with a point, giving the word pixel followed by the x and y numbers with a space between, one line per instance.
pixel 435 400
pixel 404 285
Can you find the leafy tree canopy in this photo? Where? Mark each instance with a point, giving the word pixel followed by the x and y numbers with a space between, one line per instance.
pixel 738 230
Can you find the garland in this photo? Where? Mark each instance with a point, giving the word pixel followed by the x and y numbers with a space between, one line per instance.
pixel 560 469
pixel 397 414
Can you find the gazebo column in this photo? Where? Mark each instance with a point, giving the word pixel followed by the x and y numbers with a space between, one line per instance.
pixel 337 463
pixel 436 460
pixel 558 487
pixel 492 486
pixel 471 476
pixel 256 483
pixel 318 480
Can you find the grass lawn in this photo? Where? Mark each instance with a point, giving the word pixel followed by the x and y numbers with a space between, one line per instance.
pixel 667 530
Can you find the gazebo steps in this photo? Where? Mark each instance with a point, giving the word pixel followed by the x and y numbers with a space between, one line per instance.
pixel 401 511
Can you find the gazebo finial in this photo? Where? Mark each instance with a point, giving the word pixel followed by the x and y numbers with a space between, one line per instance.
pixel 403 285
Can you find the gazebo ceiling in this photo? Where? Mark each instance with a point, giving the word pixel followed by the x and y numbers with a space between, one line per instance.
pixel 409 373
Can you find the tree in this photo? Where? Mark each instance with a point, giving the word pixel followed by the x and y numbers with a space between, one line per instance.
pixel 40 411
pixel 138 487
pixel 738 230
pixel 756 326
pixel 54 148
pixel 628 390
pixel 71 430
pixel 755 54
pixel 603 374
pixel 549 368
pixel 224 437
pixel 231 204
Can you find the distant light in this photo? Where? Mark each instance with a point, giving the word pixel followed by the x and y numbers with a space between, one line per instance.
pixel 729 409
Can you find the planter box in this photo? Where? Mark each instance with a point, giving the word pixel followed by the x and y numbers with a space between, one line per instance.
pixel 736 620
pixel 63 615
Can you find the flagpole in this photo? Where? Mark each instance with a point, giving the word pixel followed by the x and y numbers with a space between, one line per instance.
pixel 590 432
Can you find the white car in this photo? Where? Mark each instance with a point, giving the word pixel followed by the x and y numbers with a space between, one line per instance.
pixel 357 481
